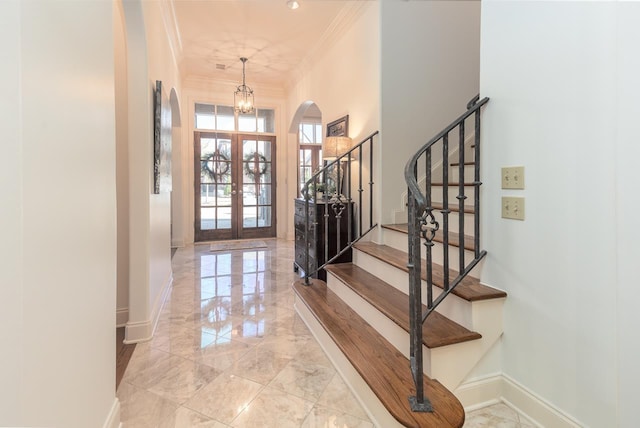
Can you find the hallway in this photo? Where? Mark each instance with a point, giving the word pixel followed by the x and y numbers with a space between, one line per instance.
pixel 229 351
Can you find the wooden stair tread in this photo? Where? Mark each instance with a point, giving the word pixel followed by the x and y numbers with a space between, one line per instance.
pixel 465 163
pixel 469 209
pixel 439 184
pixel 454 238
pixel 437 331
pixel 469 289
pixel 383 368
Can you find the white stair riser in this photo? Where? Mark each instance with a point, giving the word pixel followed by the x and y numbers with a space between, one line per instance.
pixel 469 172
pixel 454 218
pixel 398 240
pixel 394 334
pixel 453 307
pixel 453 174
pixel 448 364
pixel 376 411
pixel 453 192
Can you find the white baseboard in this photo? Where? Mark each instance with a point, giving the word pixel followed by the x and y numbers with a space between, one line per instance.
pixel 142 331
pixel 122 316
pixel 177 243
pixel 527 402
pixel 113 418
pixel 160 301
pixel 137 332
pixel 482 392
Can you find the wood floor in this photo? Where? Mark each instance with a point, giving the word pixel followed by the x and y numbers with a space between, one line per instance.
pixel 123 355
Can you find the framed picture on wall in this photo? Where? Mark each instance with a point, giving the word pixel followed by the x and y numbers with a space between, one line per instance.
pixel 338 128
pixel 161 141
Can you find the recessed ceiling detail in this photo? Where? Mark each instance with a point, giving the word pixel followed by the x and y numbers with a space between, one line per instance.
pixel 274 39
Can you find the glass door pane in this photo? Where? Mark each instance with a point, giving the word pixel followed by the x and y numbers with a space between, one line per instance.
pixel 257 185
pixel 215 186
pixel 227 167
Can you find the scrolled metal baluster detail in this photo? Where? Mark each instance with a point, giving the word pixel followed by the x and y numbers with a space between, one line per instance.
pixel 338 207
pixel 428 227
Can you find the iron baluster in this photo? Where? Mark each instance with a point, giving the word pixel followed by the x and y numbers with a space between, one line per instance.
pixel 445 210
pixel 422 225
pixel 340 204
pixel 349 207
pixel 419 403
pixel 461 197
pixel 371 183
pixel 477 183
pixel 360 188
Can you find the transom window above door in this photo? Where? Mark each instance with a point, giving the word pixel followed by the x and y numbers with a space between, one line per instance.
pixel 223 118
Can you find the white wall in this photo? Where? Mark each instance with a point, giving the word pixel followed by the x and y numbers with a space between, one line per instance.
pixel 627 206
pixel 122 162
pixel 150 57
pixel 430 70
pixel 351 88
pixel 162 66
pixel 59 208
pixel 562 78
pixel 11 224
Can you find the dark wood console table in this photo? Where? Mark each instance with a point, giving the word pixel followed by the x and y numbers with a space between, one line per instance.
pixel 318 233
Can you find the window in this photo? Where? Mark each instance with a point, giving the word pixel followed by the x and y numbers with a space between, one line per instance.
pixel 223 118
pixel 310 152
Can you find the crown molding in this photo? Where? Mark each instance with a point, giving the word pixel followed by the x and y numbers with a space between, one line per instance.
pixel 206 83
pixel 172 30
pixel 343 21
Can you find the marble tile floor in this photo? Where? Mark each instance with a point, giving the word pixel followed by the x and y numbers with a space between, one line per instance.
pixel 230 351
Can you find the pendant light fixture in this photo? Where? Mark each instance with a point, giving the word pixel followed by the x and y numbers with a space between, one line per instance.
pixel 243 97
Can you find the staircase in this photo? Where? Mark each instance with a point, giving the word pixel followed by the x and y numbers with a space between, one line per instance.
pixel 361 314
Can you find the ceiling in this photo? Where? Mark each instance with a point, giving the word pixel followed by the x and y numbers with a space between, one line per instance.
pixel 275 39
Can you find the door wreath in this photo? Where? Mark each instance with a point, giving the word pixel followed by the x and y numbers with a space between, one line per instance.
pixel 251 170
pixel 215 165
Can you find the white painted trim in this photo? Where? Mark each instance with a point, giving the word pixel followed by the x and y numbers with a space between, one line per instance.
pixel 480 392
pixel 365 396
pixel 122 316
pixel 137 332
pixel 488 390
pixel 142 331
pixel 534 407
pixel 177 243
pixel 113 418
pixel 172 30
pixel 344 20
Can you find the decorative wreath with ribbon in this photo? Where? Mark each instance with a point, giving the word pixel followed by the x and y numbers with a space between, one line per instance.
pixel 250 170
pixel 215 165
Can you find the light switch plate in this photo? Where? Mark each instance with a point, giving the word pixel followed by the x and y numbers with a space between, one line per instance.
pixel 513 207
pixel 513 177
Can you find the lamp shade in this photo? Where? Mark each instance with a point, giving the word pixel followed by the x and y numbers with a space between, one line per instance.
pixel 334 147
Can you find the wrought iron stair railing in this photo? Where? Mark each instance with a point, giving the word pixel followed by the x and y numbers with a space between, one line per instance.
pixel 422 225
pixel 337 179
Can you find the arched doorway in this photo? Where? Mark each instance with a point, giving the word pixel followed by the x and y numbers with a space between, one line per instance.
pixel 177 193
pixel 307 125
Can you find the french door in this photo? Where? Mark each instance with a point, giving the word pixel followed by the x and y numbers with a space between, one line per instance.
pixel 234 186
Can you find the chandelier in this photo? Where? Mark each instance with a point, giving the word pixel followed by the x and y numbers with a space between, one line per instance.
pixel 243 97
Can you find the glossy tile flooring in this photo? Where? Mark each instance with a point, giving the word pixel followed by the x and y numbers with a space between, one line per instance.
pixel 230 351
